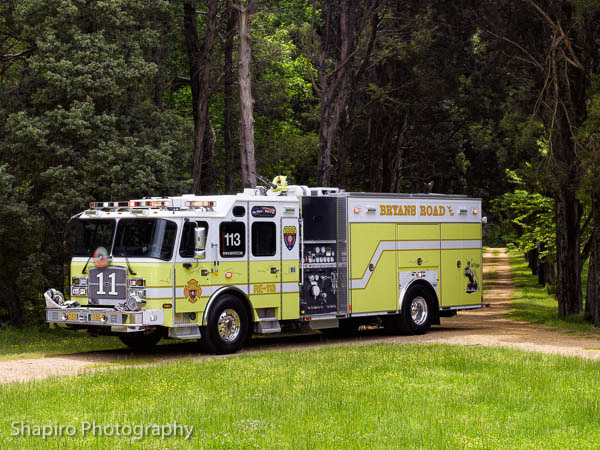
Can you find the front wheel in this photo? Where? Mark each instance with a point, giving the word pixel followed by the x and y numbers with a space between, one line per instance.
pixel 227 326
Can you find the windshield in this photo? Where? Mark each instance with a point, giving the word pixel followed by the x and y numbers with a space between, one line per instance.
pixel 146 238
pixel 91 234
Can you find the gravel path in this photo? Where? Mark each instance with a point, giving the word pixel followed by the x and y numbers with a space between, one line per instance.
pixel 487 327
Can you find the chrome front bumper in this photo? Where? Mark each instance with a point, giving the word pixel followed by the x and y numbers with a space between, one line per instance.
pixel 119 321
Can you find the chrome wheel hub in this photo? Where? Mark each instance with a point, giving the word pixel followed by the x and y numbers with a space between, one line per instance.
pixel 229 325
pixel 418 310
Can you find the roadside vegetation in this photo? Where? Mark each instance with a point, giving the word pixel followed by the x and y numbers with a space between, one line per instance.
pixel 376 396
pixel 534 303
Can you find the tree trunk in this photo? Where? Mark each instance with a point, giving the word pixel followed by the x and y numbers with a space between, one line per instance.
pixel 246 101
pixel 592 303
pixel 533 260
pixel 393 169
pixel 328 130
pixel 568 281
pixel 228 102
pixel 591 298
pixel 545 272
pixel 199 56
pixel 342 162
pixel 209 179
pixel 16 310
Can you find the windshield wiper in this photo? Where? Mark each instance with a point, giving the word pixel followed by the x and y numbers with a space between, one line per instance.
pixel 126 259
pixel 87 262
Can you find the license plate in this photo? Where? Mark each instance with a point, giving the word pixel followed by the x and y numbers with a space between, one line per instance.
pixel 96 317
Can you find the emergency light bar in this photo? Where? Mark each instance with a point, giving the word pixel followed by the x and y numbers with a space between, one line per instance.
pixel 95 205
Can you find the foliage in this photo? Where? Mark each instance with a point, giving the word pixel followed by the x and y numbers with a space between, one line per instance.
pixel 532 214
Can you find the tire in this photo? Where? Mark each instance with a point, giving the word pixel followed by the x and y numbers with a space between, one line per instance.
pixel 227 326
pixel 141 340
pixel 416 315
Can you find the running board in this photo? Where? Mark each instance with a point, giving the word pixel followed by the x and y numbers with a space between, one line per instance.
pixel 189 332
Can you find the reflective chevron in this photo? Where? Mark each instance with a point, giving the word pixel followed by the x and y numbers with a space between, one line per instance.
pixel 383 246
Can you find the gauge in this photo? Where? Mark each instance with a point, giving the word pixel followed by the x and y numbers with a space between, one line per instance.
pixel 318 250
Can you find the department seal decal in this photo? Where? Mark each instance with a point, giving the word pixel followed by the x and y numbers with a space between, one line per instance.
pixel 192 291
pixel 289 236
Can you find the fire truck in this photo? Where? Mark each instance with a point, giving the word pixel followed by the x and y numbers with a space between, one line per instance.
pixel 272 259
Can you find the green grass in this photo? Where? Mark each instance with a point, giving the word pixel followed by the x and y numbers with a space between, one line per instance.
pixel 532 303
pixel 43 341
pixel 358 397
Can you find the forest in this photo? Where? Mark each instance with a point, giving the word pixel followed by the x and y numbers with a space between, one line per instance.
pixel 117 99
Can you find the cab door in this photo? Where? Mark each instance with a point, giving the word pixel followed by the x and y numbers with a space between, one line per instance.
pixel 192 277
pixel 264 257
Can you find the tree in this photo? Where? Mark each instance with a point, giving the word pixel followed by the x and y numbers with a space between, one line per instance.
pixel 568 32
pixel 199 54
pixel 228 99
pixel 80 123
pixel 341 36
pixel 248 161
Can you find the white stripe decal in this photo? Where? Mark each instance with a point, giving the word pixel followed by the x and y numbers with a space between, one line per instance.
pixel 411 245
pixel 460 244
pixel 164 292
pixel 207 291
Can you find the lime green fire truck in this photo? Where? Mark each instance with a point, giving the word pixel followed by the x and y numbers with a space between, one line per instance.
pixel 273 259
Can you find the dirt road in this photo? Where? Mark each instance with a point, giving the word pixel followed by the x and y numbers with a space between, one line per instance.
pixel 487 327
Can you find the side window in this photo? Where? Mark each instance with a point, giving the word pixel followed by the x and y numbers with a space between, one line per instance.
pixel 186 248
pixel 264 239
pixel 232 239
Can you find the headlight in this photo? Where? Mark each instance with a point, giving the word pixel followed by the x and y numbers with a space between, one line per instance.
pixel 134 303
pixel 137 292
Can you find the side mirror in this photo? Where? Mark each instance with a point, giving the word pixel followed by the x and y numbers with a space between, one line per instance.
pixel 200 243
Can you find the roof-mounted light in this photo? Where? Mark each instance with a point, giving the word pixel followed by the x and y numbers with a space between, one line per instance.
pixel 156 203
pixel 200 204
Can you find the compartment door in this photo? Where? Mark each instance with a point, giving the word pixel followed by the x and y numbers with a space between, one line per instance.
pixel 265 256
pixel 461 264
pixel 290 268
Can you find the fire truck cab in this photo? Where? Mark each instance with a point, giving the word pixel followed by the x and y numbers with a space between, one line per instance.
pixel 222 268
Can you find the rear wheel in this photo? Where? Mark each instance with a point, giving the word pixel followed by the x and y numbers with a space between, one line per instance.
pixel 227 326
pixel 141 340
pixel 416 314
